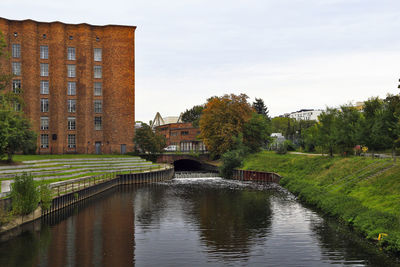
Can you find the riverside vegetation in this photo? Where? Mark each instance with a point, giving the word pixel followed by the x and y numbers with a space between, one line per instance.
pixel 363 192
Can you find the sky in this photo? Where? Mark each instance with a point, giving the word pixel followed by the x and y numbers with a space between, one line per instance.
pixel 294 54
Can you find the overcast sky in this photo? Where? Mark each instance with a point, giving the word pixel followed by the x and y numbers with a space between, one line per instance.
pixel 293 54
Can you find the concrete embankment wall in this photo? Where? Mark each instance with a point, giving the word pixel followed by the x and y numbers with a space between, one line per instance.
pixel 75 196
pixel 256 176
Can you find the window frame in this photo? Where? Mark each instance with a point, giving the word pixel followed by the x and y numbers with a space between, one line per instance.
pixel 71 71
pixel 98 106
pixel 71 105
pixel 98 124
pixel 71 140
pixel 16 68
pixel 44 69
pixel 97 57
pixel 98 91
pixel 16 89
pixel 71 90
pixel 44 141
pixel 71 123
pixel 44 126
pixel 16 50
pixel 43 89
pixel 71 53
pixel 97 72
pixel 44 52
pixel 44 105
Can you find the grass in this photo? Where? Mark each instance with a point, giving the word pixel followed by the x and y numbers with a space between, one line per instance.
pixel 363 192
pixel 19 158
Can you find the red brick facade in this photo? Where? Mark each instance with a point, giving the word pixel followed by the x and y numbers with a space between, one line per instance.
pixel 183 135
pixel 72 47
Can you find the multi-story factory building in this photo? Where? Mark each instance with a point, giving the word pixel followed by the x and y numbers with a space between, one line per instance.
pixel 77 83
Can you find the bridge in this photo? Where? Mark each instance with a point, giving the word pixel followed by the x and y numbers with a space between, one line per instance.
pixel 187 162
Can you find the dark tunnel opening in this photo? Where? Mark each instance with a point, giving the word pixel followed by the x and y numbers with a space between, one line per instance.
pixel 187 165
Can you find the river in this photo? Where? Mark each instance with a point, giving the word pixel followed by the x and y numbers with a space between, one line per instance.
pixel 191 222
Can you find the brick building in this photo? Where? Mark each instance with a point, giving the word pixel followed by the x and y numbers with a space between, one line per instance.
pixel 182 135
pixel 77 83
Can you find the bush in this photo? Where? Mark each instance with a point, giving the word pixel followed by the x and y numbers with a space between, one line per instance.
pixel 281 149
pixel 46 197
pixel 25 197
pixel 230 160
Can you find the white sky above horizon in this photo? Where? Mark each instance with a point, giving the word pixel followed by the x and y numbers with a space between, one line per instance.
pixel 293 54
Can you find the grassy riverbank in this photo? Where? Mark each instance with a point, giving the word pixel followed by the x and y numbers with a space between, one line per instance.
pixel 363 192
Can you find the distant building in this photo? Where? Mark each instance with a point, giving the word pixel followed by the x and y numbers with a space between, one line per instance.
pixel 359 105
pixel 306 114
pixel 180 134
pixel 158 120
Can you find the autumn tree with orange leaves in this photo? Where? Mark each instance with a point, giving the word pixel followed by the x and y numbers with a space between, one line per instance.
pixel 222 120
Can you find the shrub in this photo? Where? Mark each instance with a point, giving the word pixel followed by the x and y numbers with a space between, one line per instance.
pixel 45 195
pixel 24 195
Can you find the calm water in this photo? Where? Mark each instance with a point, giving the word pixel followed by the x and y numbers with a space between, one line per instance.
pixel 190 222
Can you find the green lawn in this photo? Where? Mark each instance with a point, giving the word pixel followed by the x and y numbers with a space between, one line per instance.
pixel 363 192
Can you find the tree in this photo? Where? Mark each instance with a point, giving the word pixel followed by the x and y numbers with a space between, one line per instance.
pixel 24 194
pixel 193 115
pixel 347 128
pixel 148 141
pixel 15 133
pixel 261 108
pixel 222 120
pixel 373 131
pixel 256 132
pixel 326 130
pixel 392 120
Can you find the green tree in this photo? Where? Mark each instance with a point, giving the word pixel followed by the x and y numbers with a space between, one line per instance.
pixel 256 132
pixel 373 129
pixel 15 133
pixel 261 108
pixel 392 120
pixel 222 120
pixel 347 128
pixel 193 115
pixel 25 197
pixel 146 140
pixel 326 130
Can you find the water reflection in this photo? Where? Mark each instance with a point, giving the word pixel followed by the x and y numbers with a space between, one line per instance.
pixel 190 221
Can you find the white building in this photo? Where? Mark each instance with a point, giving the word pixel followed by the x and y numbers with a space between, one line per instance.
pixel 306 114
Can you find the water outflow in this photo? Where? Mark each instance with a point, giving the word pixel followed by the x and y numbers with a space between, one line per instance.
pixel 191 174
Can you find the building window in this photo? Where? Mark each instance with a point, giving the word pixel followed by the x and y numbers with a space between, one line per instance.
pixel 44 141
pixel 98 106
pixel 71 141
pixel 71 53
pixel 71 71
pixel 71 88
pixel 44 87
pixel 174 134
pixel 44 52
pixel 44 105
pixel 16 86
pixel 17 105
pixel 97 54
pixel 184 133
pixel 16 68
pixel 97 72
pixel 72 105
pixel 98 89
pixel 97 123
pixel 71 123
pixel 16 50
pixel 44 69
pixel 44 123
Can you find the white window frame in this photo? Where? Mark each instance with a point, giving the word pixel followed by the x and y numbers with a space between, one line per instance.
pixel 71 71
pixel 71 141
pixel 98 123
pixel 97 54
pixel 98 88
pixel 71 103
pixel 98 106
pixel 71 88
pixel 44 105
pixel 16 86
pixel 71 53
pixel 16 68
pixel 44 87
pixel 44 52
pixel 97 72
pixel 44 141
pixel 44 123
pixel 71 123
pixel 16 50
pixel 44 69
